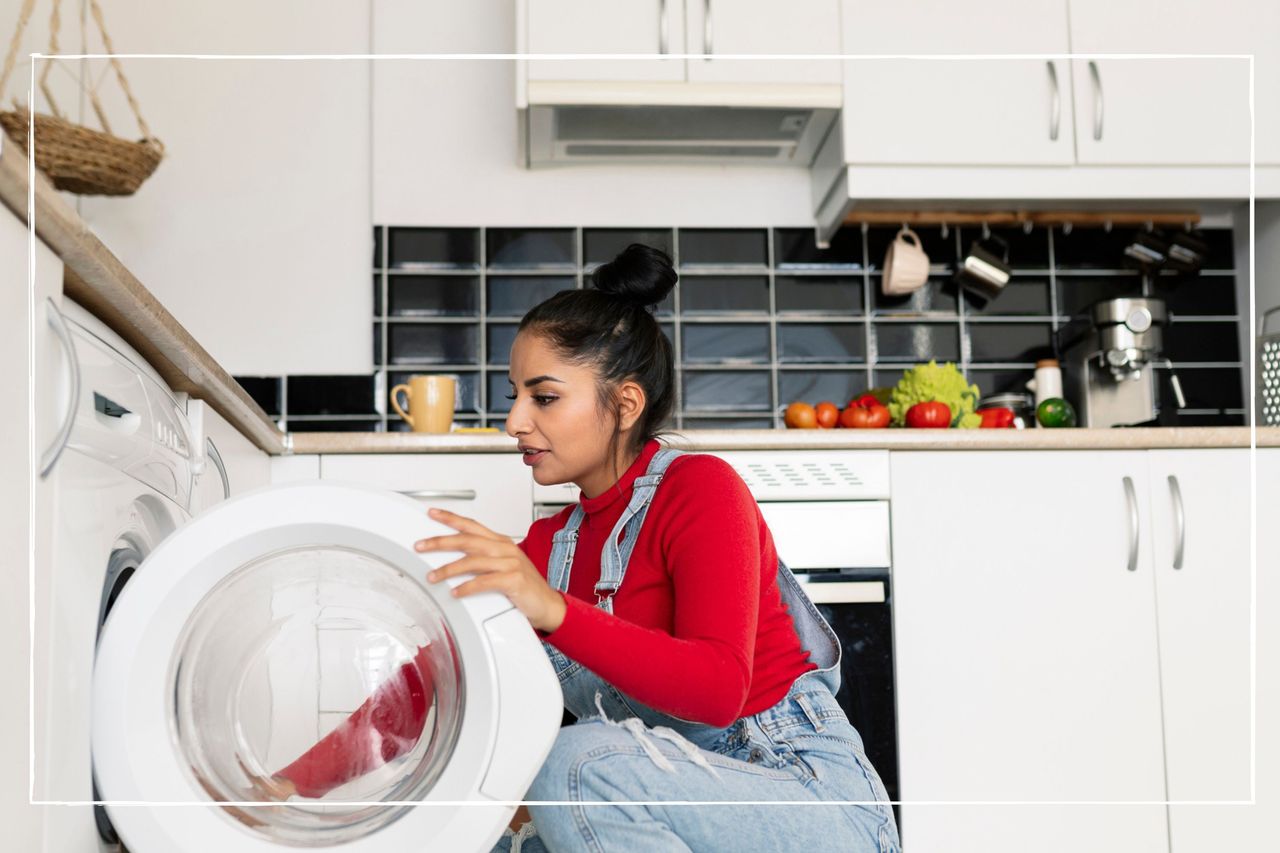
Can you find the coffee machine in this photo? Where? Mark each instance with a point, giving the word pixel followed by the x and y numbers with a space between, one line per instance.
pixel 1108 358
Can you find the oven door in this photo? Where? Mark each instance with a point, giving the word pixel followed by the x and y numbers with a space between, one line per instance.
pixel 857 606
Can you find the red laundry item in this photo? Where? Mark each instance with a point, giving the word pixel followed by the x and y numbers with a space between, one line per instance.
pixel 385 727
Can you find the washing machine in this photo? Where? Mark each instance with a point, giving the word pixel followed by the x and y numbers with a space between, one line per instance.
pixel 273 673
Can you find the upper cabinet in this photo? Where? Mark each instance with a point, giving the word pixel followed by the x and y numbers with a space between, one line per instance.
pixel 1172 111
pixel 799 27
pixel 589 26
pixel 712 27
pixel 957 111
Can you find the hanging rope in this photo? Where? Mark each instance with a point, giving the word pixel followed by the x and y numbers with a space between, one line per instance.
pixel 77 158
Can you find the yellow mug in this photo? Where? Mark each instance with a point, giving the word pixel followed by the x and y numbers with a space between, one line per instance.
pixel 431 399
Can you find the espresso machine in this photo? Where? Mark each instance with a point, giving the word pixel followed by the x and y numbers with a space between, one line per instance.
pixel 1108 358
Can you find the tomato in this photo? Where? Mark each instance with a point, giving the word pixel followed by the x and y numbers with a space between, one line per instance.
pixel 931 415
pixel 800 416
pixel 866 401
pixel 865 417
pixel 827 414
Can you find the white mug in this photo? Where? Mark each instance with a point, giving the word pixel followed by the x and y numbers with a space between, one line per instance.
pixel 906 266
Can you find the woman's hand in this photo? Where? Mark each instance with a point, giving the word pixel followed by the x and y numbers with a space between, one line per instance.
pixel 498 564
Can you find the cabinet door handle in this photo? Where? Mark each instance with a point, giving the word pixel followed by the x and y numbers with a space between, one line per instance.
pixel 441 494
pixel 707 47
pixel 1179 522
pixel 1097 99
pixel 50 456
pixel 663 34
pixel 1055 102
pixel 1131 498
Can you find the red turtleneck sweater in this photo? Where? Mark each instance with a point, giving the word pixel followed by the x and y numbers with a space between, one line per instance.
pixel 698 628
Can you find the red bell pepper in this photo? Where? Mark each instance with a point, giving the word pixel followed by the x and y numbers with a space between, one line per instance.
pixel 998 417
pixel 930 415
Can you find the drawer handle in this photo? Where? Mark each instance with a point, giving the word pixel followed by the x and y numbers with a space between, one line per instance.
pixel 441 494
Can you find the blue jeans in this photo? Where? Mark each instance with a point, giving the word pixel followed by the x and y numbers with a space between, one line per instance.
pixel 803 750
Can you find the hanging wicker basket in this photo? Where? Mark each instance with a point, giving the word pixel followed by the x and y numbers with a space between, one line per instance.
pixel 76 158
pixel 82 160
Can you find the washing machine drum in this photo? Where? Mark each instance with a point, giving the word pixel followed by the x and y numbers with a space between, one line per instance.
pixel 279 674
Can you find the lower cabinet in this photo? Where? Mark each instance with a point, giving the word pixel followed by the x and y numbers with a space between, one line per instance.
pixel 493 488
pixel 1050 652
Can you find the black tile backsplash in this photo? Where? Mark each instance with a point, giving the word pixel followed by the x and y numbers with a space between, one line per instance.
pixel 915 342
pixel 723 294
pixel 935 296
pixel 1029 295
pixel 762 316
pixel 531 248
pixel 1077 293
pixel 433 248
pixel 602 244
pixel 794 248
pixel 332 395
pixel 265 391
pixel 1004 342
pixel 724 247
pixel 433 295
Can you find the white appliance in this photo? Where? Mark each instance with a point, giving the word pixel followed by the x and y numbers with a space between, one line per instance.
pixel 235 642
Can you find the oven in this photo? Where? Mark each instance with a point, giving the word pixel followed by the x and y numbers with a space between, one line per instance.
pixel 828 511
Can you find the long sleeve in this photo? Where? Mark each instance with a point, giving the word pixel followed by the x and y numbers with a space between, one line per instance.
pixel 711 543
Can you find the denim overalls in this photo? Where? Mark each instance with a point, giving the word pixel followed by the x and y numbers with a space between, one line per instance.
pixel 805 739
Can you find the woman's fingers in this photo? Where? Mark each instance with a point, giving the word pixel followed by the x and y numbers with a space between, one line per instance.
pixel 462 523
pixel 496 581
pixel 469 543
pixel 471 565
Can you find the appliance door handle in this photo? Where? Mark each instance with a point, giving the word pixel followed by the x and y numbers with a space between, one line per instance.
pixel 1096 78
pixel 59 324
pixel 844 592
pixel 212 451
pixel 1055 101
pixel 1179 522
pixel 440 494
pixel 707 47
pixel 663 24
pixel 1131 498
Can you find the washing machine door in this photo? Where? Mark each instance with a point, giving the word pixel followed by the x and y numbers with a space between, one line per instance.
pixel 279 675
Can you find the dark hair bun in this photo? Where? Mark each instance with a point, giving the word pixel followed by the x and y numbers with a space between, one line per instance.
pixel 640 274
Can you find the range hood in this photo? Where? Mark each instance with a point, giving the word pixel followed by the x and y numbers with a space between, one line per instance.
pixel 567 124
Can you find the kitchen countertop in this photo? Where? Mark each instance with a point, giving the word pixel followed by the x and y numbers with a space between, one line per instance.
pixel 97 279
pixel 804 439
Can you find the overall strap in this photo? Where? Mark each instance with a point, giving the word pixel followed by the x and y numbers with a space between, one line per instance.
pixel 615 557
pixel 563 543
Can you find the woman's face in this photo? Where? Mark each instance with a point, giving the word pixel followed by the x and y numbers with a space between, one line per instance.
pixel 556 410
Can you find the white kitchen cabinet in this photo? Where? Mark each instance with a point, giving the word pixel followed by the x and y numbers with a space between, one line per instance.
pixel 1179 111
pixel 1200 525
pixel 1204 616
pixel 493 488
pixel 683 26
pixel 956 111
pixel 1027 664
pixel 762 26
pixel 589 26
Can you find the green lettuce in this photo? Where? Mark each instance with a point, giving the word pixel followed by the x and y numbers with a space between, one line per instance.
pixel 929 382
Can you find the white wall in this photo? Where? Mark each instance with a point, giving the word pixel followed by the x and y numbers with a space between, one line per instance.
pixel 255 230
pixel 445 149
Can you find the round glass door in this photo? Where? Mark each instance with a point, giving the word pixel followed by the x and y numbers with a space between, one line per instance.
pixel 323 681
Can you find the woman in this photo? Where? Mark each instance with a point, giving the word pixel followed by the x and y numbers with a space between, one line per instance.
pixel 697 669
